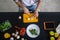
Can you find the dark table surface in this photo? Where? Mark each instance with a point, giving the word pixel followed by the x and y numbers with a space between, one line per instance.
pixel 43 16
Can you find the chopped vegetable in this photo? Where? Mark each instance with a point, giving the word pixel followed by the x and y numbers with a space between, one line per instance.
pixel 7 35
pixel 33 31
pixel 22 31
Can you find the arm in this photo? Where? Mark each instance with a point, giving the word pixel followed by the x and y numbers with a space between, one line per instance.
pixel 23 7
pixel 38 5
pixel 20 4
pixel 37 8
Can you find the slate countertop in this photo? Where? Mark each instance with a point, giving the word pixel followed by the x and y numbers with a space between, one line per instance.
pixel 43 16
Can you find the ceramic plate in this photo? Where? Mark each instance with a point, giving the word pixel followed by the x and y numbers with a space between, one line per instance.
pixel 30 27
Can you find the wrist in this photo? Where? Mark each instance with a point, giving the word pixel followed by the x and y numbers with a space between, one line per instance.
pixel 36 10
pixel 24 8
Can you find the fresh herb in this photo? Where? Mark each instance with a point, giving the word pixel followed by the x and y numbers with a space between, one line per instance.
pixel 33 31
pixel 5 25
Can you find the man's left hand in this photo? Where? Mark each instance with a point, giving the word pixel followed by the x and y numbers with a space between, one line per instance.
pixel 36 14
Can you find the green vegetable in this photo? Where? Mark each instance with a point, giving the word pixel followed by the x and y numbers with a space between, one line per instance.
pixel 33 32
pixel 5 25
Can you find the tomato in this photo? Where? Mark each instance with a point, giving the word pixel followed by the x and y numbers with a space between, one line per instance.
pixel 22 31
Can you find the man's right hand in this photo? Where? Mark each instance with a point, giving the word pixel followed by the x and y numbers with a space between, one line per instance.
pixel 26 11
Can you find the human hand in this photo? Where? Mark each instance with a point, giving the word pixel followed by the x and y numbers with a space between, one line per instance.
pixel 36 14
pixel 26 11
pixel 58 38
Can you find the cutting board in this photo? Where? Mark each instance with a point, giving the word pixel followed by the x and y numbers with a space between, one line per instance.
pixel 28 18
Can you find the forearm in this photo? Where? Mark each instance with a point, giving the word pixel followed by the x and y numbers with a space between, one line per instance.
pixel 20 5
pixel 23 7
pixel 38 5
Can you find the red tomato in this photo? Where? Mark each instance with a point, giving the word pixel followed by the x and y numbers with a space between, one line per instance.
pixel 22 31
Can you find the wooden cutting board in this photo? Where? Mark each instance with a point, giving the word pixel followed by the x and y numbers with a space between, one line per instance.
pixel 28 18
